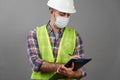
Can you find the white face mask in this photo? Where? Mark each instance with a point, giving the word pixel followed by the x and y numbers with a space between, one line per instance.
pixel 61 22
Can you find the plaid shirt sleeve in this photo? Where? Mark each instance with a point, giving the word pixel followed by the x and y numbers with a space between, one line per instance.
pixel 80 51
pixel 32 50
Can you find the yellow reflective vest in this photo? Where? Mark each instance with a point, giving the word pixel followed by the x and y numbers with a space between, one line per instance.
pixel 66 48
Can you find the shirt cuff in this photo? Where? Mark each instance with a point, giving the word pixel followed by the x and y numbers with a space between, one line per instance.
pixel 37 66
pixel 84 74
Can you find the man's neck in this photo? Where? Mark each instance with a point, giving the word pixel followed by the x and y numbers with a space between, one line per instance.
pixel 55 29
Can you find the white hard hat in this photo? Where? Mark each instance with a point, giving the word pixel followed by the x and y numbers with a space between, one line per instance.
pixel 66 6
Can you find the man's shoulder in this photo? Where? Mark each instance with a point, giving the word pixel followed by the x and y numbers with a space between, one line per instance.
pixel 32 32
pixel 34 29
pixel 70 28
pixel 73 29
pixel 41 26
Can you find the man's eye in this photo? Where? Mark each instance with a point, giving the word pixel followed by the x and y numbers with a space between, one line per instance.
pixel 62 14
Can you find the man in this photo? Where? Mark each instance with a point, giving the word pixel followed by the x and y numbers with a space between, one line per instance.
pixel 52 45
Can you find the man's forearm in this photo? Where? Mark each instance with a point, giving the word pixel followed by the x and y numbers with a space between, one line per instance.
pixel 49 67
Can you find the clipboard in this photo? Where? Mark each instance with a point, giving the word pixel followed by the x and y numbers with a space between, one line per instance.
pixel 78 63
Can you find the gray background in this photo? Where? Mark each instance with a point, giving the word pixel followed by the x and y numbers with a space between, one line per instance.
pixel 97 21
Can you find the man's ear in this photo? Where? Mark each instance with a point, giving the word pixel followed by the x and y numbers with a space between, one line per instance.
pixel 51 11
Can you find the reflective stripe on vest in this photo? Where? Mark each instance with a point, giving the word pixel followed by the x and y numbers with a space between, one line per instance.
pixel 66 48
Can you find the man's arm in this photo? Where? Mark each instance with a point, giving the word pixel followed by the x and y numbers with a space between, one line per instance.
pixel 79 50
pixel 33 53
pixel 49 67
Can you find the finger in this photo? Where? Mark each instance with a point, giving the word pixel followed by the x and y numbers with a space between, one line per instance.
pixel 61 70
pixel 72 67
pixel 63 67
pixel 75 56
pixel 58 69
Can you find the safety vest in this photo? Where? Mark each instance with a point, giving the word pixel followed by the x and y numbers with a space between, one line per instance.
pixel 66 48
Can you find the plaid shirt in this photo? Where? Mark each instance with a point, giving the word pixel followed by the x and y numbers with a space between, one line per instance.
pixel 34 53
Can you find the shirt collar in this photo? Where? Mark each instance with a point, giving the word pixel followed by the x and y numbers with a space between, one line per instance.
pixel 49 28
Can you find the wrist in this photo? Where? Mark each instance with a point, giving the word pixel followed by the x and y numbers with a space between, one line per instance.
pixel 72 75
pixel 76 74
pixel 57 66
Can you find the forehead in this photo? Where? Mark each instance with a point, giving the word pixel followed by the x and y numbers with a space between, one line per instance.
pixel 59 11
